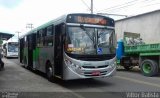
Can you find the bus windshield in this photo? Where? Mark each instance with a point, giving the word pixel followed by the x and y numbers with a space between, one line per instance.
pixel 12 47
pixel 89 40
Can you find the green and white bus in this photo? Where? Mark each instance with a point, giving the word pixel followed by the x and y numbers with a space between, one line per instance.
pixel 73 46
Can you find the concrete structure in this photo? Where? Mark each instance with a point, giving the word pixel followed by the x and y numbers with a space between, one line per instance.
pixel 148 25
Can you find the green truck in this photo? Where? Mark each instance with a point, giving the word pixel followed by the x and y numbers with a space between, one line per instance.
pixel 134 52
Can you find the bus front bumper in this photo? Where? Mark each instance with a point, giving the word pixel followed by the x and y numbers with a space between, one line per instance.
pixel 70 74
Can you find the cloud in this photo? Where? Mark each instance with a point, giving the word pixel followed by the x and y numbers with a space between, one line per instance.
pixel 15 14
pixel 10 3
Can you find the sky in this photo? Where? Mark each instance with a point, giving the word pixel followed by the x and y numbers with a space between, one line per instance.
pixel 15 14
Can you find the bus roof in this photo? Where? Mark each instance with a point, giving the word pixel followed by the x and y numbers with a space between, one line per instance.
pixel 10 41
pixel 61 19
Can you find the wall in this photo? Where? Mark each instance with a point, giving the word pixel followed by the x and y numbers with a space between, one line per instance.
pixel 148 25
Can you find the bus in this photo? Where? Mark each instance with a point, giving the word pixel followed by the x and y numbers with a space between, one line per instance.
pixel 10 49
pixel 73 46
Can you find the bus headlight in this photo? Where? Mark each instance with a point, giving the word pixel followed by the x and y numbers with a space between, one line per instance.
pixel 112 64
pixel 72 65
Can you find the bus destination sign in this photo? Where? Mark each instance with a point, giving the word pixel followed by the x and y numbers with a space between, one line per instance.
pixel 90 20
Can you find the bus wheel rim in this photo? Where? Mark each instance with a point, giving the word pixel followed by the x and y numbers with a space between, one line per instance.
pixel 147 68
pixel 49 72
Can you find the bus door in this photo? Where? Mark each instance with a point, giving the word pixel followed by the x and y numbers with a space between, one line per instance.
pixel 21 49
pixel 31 47
pixel 58 50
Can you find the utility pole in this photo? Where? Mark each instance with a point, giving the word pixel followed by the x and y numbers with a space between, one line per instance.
pixel 18 34
pixel 91 6
pixel 29 25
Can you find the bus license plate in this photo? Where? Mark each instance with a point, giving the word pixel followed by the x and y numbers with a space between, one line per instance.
pixel 96 73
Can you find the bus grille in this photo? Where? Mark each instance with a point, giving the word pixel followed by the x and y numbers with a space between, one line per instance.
pixel 92 67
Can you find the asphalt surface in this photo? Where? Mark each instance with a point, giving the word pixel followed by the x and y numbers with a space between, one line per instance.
pixel 17 81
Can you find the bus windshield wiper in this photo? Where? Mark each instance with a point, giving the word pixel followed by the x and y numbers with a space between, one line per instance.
pixel 84 29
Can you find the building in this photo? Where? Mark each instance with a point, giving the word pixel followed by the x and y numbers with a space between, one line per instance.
pixel 148 25
pixel 4 36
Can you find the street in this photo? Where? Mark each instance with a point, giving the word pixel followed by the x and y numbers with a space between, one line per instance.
pixel 15 78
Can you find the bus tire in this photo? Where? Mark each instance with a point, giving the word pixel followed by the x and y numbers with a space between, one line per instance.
pixel 149 68
pixel 49 72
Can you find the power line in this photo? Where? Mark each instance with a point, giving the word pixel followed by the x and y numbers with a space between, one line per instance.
pixel 125 5
pixel 91 6
pixel 151 4
pixel 117 6
pixel 139 6
pixel 86 5
pixel 112 14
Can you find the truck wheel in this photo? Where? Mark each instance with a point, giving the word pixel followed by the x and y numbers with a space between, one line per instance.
pixel 149 68
pixel 128 67
pixel 49 72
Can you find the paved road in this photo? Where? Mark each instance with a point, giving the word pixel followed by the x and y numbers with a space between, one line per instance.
pixel 15 78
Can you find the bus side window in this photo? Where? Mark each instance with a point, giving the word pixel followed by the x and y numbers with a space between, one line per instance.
pixel 44 33
pixel 38 39
pixel 26 42
pixel 49 31
pixel 49 36
pixel 41 33
pixel 30 42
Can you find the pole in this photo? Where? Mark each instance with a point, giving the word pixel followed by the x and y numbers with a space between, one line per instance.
pixel 18 34
pixel 91 6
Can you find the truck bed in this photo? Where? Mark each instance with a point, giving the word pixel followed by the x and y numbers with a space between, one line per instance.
pixel 146 48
